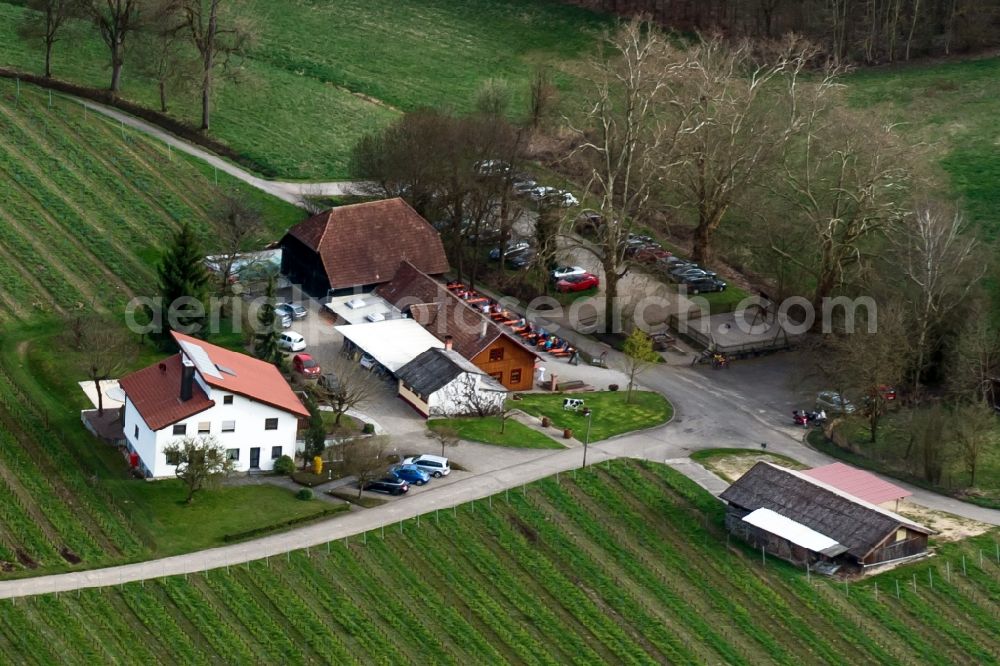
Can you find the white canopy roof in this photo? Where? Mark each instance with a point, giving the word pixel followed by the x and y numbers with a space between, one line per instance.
pixel 393 342
pixel 362 308
pixel 793 531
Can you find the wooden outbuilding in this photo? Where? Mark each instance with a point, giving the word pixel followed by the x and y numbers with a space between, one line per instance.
pixel 460 327
pixel 805 521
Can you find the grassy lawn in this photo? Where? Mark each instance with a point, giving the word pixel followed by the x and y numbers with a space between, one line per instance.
pixel 731 464
pixel 179 528
pixel 611 414
pixel 322 74
pixel 487 430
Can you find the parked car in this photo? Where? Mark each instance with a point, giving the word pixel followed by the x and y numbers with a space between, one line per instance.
pixel 888 393
pixel 389 485
pixel 524 186
pixel 832 401
pixel 690 271
pixel 578 283
pixel 306 365
pixel 492 167
pixel 410 474
pixel 674 262
pixel 542 192
pixel 651 254
pixel 699 285
pixel 329 381
pixel 588 222
pixel 520 260
pixel 560 198
pixel 436 466
pixel 292 310
pixel 559 272
pixel 291 341
pixel 513 246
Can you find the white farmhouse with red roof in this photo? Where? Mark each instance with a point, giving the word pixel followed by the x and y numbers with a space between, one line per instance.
pixel 205 390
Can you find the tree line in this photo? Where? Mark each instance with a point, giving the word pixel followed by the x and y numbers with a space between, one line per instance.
pixel 179 44
pixel 862 31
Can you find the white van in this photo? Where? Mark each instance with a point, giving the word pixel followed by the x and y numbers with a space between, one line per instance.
pixel 436 466
pixel 291 341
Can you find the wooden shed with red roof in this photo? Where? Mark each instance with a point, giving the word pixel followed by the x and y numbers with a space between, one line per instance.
pixel 359 246
pixel 208 391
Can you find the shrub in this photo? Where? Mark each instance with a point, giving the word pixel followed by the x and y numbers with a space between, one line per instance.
pixel 284 465
pixel 613 387
pixel 368 429
pixel 305 494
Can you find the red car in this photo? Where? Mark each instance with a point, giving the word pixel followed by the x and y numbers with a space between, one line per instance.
pixel 306 365
pixel 578 282
pixel 650 255
pixel 888 393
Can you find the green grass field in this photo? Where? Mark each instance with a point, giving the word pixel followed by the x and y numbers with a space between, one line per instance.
pixel 626 563
pixel 611 414
pixel 487 431
pixel 324 73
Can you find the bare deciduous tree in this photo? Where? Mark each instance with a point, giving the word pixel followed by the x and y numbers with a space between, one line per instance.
pixel 201 462
pixel 160 53
pixel 365 459
pixel 222 38
pixel 740 109
pixel 444 435
pixel 936 256
pixel 44 21
pixel 239 222
pixel 627 136
pixel 104 347
pixel 975 359
pixel 346 385
pixel 975 431
pixel 848 182
pixel 541 96
pixel 869 360
pixel 115 20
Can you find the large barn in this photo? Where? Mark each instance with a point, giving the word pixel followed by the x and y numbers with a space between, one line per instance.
pixel 805 521
pixel 354 248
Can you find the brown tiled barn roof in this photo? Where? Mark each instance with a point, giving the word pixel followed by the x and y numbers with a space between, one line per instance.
pixel 440 311
pixel 363 243
pixel 848 520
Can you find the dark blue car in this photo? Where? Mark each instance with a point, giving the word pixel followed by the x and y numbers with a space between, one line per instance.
pixel 411 474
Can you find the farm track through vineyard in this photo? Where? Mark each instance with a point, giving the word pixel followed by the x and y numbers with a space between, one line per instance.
pixel 626 562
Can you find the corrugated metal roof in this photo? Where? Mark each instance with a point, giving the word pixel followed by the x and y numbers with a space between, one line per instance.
pixel 857 482
pixel 797 533
pixel 393 342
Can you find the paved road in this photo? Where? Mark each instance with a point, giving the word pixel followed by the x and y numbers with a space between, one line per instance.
pixel 293 192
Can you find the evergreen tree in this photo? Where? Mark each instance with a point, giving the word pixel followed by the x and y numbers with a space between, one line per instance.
pixel 266 345
pixel 315 438
pixel 183 284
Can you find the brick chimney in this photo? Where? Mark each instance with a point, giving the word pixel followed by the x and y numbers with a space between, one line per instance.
pixel 187 380
pixel 448 342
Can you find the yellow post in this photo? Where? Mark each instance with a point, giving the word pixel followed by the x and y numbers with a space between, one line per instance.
pixel 317 465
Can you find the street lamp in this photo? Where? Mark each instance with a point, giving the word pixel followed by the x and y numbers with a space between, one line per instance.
pixel 586 440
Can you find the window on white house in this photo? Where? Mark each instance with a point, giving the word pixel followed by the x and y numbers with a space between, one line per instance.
pixel 275 452
pixel 180 429
pixel 227 400
pixel 174 458
pixel 204 427
pixel 229 426
pixel 233 454
pixel 136 433
pixel 270 424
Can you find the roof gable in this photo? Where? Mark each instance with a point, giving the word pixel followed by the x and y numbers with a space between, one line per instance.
pixel 155 392
pixel 242 374
pixel 363 243
pixel 442 312
pixel 856 524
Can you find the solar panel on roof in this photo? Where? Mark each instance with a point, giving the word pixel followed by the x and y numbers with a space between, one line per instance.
pixel 200 358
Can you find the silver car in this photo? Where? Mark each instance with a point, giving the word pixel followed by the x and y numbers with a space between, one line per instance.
pixel 835 403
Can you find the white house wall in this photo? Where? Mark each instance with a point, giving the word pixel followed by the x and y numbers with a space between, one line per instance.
pixel 453 399
pixel 249 416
